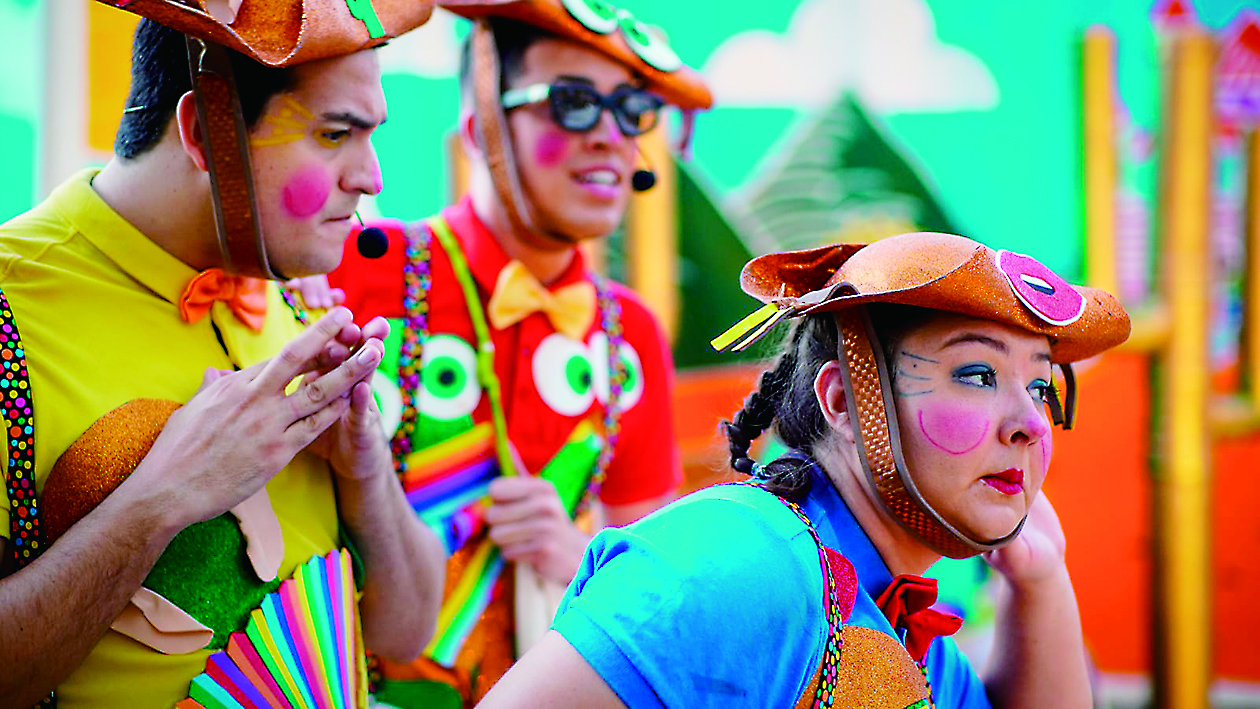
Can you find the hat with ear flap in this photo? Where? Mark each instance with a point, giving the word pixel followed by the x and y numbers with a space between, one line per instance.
pixel 597 24
pixel 276 33
pixel 940 272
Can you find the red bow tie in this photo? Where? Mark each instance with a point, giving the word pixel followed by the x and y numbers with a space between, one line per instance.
pixel 907 605
pixel 246 297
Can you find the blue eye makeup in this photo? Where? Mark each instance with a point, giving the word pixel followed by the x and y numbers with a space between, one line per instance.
pixel 1041 389
pixel 978 375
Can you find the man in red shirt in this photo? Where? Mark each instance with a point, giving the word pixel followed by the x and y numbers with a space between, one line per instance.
pixel 526 386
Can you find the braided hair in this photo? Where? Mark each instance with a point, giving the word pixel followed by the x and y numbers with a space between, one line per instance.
pixel 784 398
pixel 777 402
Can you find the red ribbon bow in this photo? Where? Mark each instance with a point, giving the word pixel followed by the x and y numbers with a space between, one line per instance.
pixel 907 605
pixel 246 297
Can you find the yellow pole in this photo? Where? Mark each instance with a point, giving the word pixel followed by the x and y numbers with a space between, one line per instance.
pixel 652 235
pixel 1251 276
pixel 1183 617
pixel 1098 78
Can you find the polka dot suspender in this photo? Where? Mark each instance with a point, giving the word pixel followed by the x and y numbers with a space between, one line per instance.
pixel 19 419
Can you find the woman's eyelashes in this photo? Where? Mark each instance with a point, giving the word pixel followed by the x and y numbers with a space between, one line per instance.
pixel 977 375
pixel 1041 389
pixel 983 375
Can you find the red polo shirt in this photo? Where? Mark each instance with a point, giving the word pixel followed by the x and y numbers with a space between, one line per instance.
pixel 531 357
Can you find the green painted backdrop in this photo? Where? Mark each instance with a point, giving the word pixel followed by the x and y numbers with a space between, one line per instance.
pixel 999 143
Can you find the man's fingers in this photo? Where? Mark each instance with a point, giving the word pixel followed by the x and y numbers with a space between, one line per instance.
pixel 363 412
pixel 302 353
pixel 377 327
pixel 336 384
pixel 518 533
pixel 303 432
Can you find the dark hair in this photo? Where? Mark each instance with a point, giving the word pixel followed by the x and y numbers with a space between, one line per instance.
pixel 784 397
pixel 160 76
pixel 511 40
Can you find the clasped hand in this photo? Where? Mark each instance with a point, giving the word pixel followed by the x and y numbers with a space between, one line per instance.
pixel 242 427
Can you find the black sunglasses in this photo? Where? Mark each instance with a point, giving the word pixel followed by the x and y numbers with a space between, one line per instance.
pixel 578 107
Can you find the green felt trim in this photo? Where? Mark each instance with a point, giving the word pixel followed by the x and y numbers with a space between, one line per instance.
pixel 357 568
pixel 418 694
pixel 206 572
pixel 570 470
pixel 431 431
pixel 485 347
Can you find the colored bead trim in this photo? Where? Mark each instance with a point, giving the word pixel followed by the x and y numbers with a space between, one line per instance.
pixel 610 322
pixel 829 677
pixel 416 283
pixel 418 280
pixel 291 299
pixel 828 680
pixel 19 416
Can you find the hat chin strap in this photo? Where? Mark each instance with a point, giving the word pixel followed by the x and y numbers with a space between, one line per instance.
pixel 227 157
pixel 868 392
pixel 491 132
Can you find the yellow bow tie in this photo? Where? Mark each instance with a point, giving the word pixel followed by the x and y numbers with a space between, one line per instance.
pixel 517 294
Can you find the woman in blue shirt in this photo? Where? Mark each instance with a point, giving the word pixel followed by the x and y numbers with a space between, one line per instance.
pixel 916 393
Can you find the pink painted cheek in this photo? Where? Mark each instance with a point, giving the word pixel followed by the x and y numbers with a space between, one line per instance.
pixel 1047 452
pixel 306 192
pixel 551 149
pixel 953 429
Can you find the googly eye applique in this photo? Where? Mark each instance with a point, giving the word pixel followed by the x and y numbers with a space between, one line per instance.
pixel 563 375
pixel 602 17
pixel 449 388
pixel 1048 296
pixel 632 389
pixel 595 15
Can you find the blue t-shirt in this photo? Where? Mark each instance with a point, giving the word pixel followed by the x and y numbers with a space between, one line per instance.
pixel 717 600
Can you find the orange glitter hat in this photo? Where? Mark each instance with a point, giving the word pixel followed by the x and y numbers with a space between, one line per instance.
pixel 290 32
pixel 593 23
pixel 277 33
pixel 610 30
pixel 928 270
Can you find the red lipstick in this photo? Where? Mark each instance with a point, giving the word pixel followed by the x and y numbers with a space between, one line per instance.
pixel 1007 482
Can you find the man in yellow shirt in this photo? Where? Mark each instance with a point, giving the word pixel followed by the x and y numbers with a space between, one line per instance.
pixel 117 292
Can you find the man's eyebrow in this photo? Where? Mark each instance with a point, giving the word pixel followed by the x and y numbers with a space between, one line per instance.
pixel 351 119
pixel 575 79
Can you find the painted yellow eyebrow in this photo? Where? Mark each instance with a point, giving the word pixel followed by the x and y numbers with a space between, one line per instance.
pixel 289 123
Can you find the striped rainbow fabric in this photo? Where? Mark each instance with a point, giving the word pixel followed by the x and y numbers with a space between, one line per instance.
pixel 446 485
pixel 301 649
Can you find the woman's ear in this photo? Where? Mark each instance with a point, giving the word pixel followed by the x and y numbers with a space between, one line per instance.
pixel 829 392
pixel 191 136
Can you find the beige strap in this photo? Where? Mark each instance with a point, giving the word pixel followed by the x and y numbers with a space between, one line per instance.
pixel 227 156
pixel 490 125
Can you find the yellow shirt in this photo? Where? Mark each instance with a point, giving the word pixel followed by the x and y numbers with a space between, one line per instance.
pixel 96 305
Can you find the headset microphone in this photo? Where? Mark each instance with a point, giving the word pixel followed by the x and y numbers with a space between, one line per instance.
pixel 644 178
pixel 371 242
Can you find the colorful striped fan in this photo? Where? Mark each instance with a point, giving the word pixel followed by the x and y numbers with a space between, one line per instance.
pixel 300 650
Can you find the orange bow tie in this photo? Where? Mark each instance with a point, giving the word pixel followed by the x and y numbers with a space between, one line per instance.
pixel 246 297
pixel 517 294
pixel 906 603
